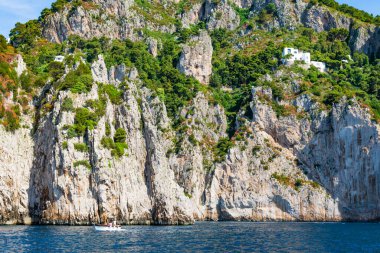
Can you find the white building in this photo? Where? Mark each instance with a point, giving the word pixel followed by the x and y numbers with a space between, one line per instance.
pixel 290 55
pixel 321 66
pixel 295 55
pixel 59 58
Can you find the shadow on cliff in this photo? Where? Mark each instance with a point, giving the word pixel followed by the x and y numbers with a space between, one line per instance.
pixel 324 159
pixel 47 165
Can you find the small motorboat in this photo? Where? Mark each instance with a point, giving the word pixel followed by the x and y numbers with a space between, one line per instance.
pixel 107 228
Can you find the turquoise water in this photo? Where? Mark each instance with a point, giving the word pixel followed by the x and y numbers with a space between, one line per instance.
pixel 202 237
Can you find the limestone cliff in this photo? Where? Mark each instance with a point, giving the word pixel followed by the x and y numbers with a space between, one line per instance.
pixel 151 184
pixel 312 163
pixel 126 19
pixel 196 58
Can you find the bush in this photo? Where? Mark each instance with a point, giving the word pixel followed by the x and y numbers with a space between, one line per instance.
pixel 56 70
pixel 3 44
pixel 255 150
pixel 78 81
pixel 117 149
pixel 81 147
pixel 120 136
pixel 83 163
pixel 108 129
pixel 332 97
pixel 25 35
pixel 222 148
pixel 65 145
pixel 98 106
pixel 84 119
pixel 67 105
pixel 298 184
pixel 113 93
pixel 26 81
pixel 107 143
pixel 338 34
pixel 281 178
pixel 11 121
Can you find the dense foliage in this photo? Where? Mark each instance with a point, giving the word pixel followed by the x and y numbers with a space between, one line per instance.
pixel 356 76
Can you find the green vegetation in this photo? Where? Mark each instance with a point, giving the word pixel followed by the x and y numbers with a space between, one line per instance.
pixel 296 184
pixel 83 163
pixel 3 44
pixel 221 149
pixel 114 94
pixel 24 36
pixel 67 105
pixel 117 145
pixel 237 68
pixel 159 74
pixel 78 81
pixel 245 68
pixel 81 147
pixel 84 120
pixel 120 136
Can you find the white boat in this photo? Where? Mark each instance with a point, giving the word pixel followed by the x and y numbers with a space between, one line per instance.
pixel 107 228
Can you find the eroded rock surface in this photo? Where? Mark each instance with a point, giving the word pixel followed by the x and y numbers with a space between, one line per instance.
pixel 196 58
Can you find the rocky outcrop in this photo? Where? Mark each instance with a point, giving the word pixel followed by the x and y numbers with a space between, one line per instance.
pixel 16 160
pixel 152 46
pixel 192 16
pixel 125 19
pixel 340 150
pixel 20 65
pixel 113 19
pixel 279 168
pixel 245 187
pixel 220 15
pixel 290 14
pixel 311 164
pixel 196 58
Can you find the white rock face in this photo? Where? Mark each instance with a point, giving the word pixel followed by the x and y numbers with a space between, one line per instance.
pixel 193 16
pixel 319 168
pixel 117 19
pixel 196 58
pixel 340 150
pixel 20 65
pixel 152 46
pixel 110 18
pixel 16 158
pixel 99 70
pixel 221 15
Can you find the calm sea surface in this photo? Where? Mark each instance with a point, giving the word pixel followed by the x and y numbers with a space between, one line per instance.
pixel 202 237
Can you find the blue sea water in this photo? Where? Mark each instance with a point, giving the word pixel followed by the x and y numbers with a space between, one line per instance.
pixel 201 237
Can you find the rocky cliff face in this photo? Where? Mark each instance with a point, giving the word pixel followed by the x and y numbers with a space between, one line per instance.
pixel 339 150
pixel 112 19
pixel 126 19
pixel 196 58
pixel 312 165
pixel 269 174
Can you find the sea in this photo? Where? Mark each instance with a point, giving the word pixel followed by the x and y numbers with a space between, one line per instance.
pixel 200 237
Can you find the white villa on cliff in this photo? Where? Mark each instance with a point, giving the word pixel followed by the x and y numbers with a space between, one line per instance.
pixel 59 58
pixel 290 55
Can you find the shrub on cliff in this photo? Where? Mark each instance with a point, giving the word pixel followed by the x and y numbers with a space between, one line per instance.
pixel 78 81
pixel 3 44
